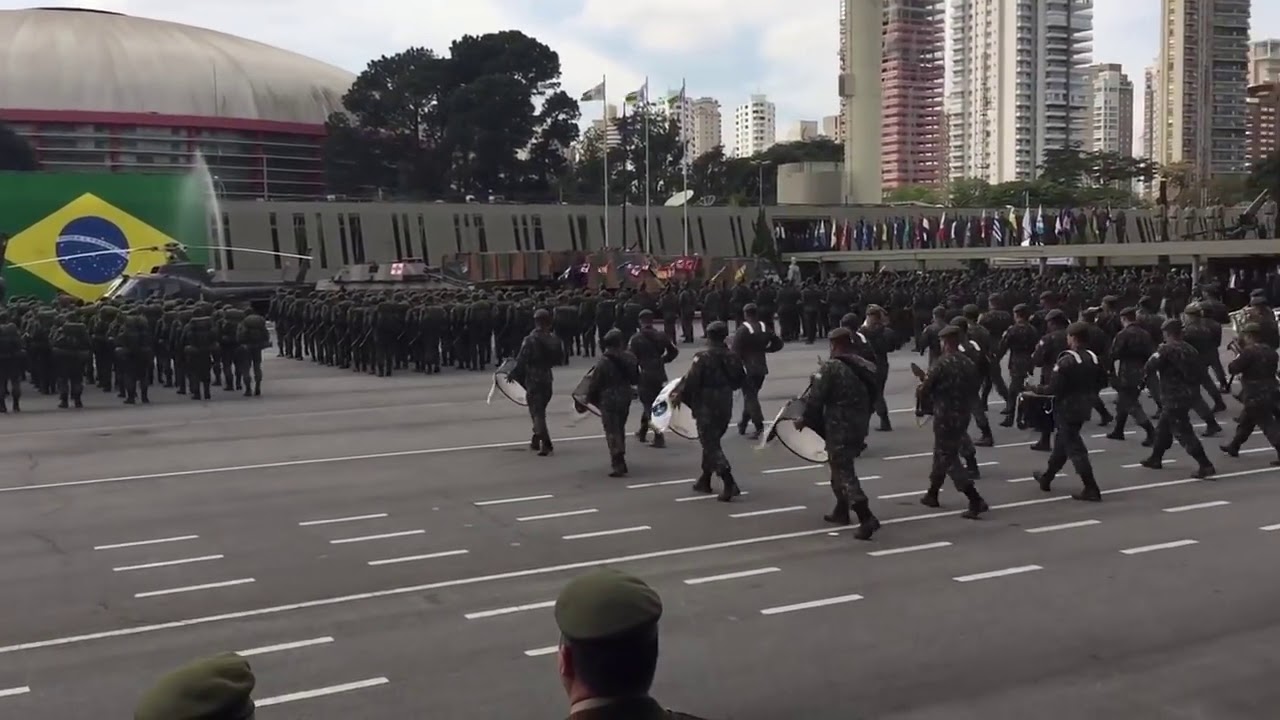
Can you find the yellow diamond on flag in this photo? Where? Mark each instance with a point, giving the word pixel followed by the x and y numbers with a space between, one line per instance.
pixel 82 247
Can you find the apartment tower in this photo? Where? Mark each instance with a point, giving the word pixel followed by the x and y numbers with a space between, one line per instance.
pixel 755 126
pixel 1111 129
pixel 1201 97
pixel 912 83
pixel 1264 62
pixel 1020 84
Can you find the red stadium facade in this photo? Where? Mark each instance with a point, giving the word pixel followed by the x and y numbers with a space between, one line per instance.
pixel 255 114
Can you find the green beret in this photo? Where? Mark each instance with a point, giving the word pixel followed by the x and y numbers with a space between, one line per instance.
pixel 1252 328
pixel 605 603
pixel 216 688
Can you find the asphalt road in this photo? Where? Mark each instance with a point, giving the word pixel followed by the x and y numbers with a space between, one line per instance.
pixel 388 548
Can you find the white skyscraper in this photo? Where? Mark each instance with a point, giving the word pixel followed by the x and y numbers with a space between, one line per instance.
pixel 754 126
pixel 1264 62
pixel 1111 125
pixel 1020 84
pixel 1150 81
pixel 700 119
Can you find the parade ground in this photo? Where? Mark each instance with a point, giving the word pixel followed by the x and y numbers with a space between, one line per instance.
pixel 390 548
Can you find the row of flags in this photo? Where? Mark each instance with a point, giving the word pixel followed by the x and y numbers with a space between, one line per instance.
pixel 637 268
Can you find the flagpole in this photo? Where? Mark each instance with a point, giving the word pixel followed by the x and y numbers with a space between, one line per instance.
pixel 684 163
pixel 604 115
pixel 648 244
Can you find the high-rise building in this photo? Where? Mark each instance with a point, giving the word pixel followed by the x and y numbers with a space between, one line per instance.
pixel 607 127
pixel 831 127
pixel 1111 130
pixel 1200 99
pixel 755 126
pixel 705 134
pixel 1264 62
pixel 912 82
pixel 1150 81
pixel 802 131
pixel 1264 120
pixel 1019 84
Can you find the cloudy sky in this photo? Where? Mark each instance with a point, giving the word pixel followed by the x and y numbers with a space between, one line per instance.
pixel 727 49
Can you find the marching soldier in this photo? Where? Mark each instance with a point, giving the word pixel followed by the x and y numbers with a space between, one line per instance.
pixel 752 342
pixel 1020 342
pixel 882 342
pixel 653 350
pixel 610 389
pixel 952 384
pixel 928 340
pixel 72 348
pixel 688 308
pixel 12 364
pixel 1074 385
pixel 252 338
pixel 1206 337
pixel 540 351
pixel 1181 371
pixel 1045 357
pixel 977 353
pixel 1130 350
pixel 840 401
pixel 1099 343
pixel 708 390
pixel 1255 365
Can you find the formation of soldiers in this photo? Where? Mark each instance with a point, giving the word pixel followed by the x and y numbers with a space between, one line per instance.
pixel 127 348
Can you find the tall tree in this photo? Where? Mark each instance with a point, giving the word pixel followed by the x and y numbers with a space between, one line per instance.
pixel 15 152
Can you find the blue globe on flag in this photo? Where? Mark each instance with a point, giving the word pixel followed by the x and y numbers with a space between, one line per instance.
pixel 92 250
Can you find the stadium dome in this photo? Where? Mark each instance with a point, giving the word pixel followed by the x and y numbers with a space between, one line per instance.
pixel 145 84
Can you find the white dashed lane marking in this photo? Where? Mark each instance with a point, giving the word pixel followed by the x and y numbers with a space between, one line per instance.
pixel 538 652
pixel 510 610
pixel 1160 546
pixel 895 496
pixel 811 605
pixel 1269 528
pixel 334 521
pixel 604 533
pixel 415 558
pixel 664 483
pixel 194 588
pixel 1063 526
pixel 909 549
pixel 268 649
pixel 140 543
pixel 797 468
pixel 11 692
pixel 321 692
pixel 731 576
pixel 508 501
pixel 550 516
pixel 383 536
pixel 1197 506
pixel 771 511
pixel 167 563
pixel 997 573
pixel 692 498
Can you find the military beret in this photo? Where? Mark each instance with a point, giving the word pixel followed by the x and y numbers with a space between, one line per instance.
pixel 646 314
pixel 1078 330
pixel 960 322
pixel 971 309
pixel 1172 326
pixel 1090 313
pixel 605 603
pixel 1047 295
pixel 1055 315
pixel 1258 301
pixel 1193 309
pixel 1257 292
pixel 1130 313
pixel 613 338
pixel 1110 299
pixel 950 331
pixel 1252 328
pixel 215 688
pixel 750 307
pixel 875 310
pixel 717 330
pixel 1022 309
pixel 542 314
pixel 841 335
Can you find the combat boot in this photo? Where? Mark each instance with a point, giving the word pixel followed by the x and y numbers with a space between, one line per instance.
pixel 840 513
pixel 977 505
pixel 867 523
pixel 547 447
pixel 206 392
pixel 4 407
pixel 703 484
pixel 1091 491
pixel 144 395
pixel 248 389
pixel 885 426
pixel 659 440
pixel 1043 444
pixel 1155 462
pixel 1008 421
pixel 643 433
pixel 1212 429
pixel 742 427
pixel 62 401
pixel 77 402
pixel 971 464
pixel 930 497
pixel 1150 439
pixel 619 466
pixel 1044 480
pixel 730 488
pixel 535 442
pixel 1117 432
pixel 17 403
pixel 1206 471
pixel 1230 449
pixel 257 387
pixel 985 441
pixel 1105 418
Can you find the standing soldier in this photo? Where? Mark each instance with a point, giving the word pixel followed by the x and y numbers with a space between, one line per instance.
pixel 229 346
pixel 540 351
pixel 1256 366
pixel 606 314
pixel 104 351
pixel 587 324
pixel 1130 349
pixel 251 339
pixel 688 308
pixel 610 389
pixel 178 347
pixel 134 357
pixel 952 384
pixel 708 390
pixel 565 322
pixel 1074 385
pixel 480 327
pixel 839 401
pixel 12 359
pixel 72 348
pixel 1099 342
pixel 752 341
pixel 811 299
pixel 789 311
pixel 1181 373
pixel 198 339
pixel 653 350
pixel 669 304
pixel 973 350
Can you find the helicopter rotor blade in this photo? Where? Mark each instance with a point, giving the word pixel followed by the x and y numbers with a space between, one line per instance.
pixel 251 250
pixel 95 253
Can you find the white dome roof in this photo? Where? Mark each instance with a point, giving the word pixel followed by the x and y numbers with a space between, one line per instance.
pixel 84 60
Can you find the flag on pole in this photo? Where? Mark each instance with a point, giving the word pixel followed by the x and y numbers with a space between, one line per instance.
pixel 595 94
pixel 639 97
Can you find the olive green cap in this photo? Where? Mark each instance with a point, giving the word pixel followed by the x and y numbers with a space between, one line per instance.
pixel 605 603
pixel 215 688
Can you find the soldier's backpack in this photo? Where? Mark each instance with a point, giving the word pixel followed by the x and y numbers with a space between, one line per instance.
pixel 252 332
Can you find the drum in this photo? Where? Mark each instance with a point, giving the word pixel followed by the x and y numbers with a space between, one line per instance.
pixel 581 406
pixel 807 444
pixel 1034 412
pixel 510 389
pixel 677 418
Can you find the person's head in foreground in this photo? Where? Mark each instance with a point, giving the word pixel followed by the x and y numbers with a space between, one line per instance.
pixel 216 688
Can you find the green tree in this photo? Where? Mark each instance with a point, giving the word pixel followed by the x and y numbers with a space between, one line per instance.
pixel 915 194
pixel 763 244
pixel 968 192
pixel 16 154
pixel 488 119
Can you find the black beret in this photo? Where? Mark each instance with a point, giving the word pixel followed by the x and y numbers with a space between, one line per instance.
pixel 1055 316
pixel 717 330
pixel 960 322
pixel 1252 328
pixel 1022 309
pixel 1129 313
pixel 1193 309
pixel 646 314
pixel 606 603
pixel 750 307
pixel 1173 325
pixel 841 335
pixel 950 331
pixel 1078 330
pixel 1258 301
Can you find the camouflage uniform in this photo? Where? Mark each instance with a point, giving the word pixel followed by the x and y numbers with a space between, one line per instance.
pixel 198 339
pixel 708 390
pixel 72 348
pixel 1181 371
pixel 1074 385
pixel 539 352
pixel 134 356
pixel 610 389
pixel 752 341
pixel 653 351
pixel 1260 393
pixel 251 338
pixel 952 384
pixel 841 395
pixel 1019 341
pixel 12 364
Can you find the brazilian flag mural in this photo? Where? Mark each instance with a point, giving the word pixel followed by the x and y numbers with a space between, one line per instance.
pixel 76 233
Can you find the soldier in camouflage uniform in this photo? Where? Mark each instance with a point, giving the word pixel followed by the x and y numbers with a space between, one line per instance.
pixel 653 350
pixel 840 400
pixel 1019 341
pixel 198 339
pixel 1181 372
pixel 1260 393
pixel 72 349
pixel 975 351
pixel 177 347
pixel 708 390
pixel 12 364
pixel 928 341
pixel 1130 350
pixel 540 351
pixel 252 338
pixel 1077 377
pixel 752 342
pixel 952 384
pixel 38 333
pixel 611 389
pixel 1045 357
pixel 229 348
pixel 882 341
pixel 133 348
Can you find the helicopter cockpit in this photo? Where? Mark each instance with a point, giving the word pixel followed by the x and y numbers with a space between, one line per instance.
pixel 146 287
